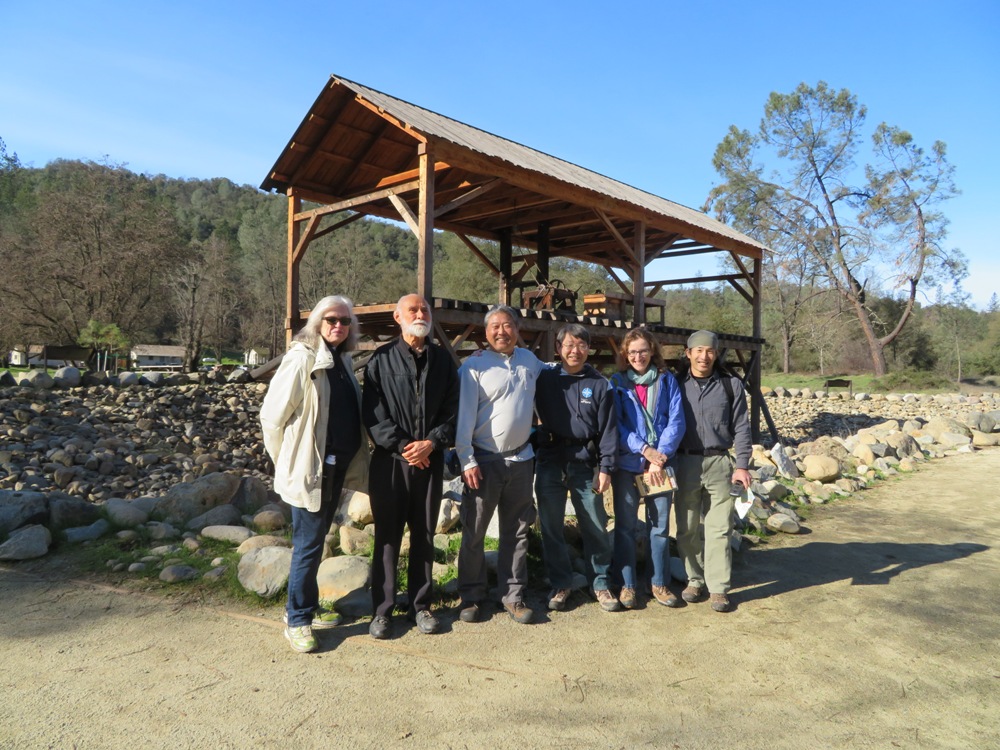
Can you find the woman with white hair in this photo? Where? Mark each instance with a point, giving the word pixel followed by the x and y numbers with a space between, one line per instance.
pixel 311 419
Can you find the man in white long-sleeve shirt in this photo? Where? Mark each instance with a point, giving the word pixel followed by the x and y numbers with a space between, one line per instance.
pixel 491 439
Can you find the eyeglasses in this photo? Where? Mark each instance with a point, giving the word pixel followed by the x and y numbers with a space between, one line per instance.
pixel 345 321
pixel 575 347
pixel 637 353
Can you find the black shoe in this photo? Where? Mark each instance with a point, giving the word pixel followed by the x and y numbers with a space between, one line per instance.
pixel 426 622
pixel 519 612
pixel 470 612
pixel 381 627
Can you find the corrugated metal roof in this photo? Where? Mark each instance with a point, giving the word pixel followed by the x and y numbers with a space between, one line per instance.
pixel 495 147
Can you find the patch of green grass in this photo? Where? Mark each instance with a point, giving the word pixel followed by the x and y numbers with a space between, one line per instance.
pixel 862 382
pixel 914 380
pixel 94 558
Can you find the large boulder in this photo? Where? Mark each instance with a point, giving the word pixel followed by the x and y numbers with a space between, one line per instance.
pixel 260 541
pixel 21 508
pixel 26 543
pixel 980 421
pixel 265 570
pixel 124 513
pixel 359 508
pixel 824 446
pixel 354 541
pixel 68 511
pixel 447 515
pixel 67 377
pixel 220 515
pixel 786 467
pixel 340 576
pixel 187 500
pixel 36 379
pixel 232 534
pixel 96 530
pixel 903 444
pixel 936 427
pixel 251 495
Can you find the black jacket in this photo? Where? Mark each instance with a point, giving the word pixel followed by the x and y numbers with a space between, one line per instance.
pixel 398 408
pixel 577 416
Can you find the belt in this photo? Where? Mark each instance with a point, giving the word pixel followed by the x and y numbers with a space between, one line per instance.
pixel 485 456
pixel 704 451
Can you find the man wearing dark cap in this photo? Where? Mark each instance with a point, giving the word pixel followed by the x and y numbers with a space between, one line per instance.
pixel 715 411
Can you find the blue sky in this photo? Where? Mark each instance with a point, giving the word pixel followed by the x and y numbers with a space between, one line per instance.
pixel 640 91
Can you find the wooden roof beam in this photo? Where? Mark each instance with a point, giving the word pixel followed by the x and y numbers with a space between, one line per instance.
pixel 471 195
pixel 479 254
pixel 546 185
pixel 325 123
pixel 696 280
pixel 359 200
pixel 506 207
pixel 622 244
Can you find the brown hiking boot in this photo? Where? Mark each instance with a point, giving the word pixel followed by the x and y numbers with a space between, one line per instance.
pixel 519 612
pixel 692 593
pixel 720 602
pixel 627 597
pixel 558 599
pixel 665 597
pixel 607 600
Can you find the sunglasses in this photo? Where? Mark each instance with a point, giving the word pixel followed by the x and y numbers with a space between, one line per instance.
pixel 345 321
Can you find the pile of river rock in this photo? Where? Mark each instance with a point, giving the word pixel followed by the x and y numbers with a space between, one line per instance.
pixel 161 463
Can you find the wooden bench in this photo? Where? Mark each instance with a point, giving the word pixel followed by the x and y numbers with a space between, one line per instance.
pixel 839 383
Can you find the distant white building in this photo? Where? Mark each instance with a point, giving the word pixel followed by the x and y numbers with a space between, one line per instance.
pixel 254 357
pixel 157 357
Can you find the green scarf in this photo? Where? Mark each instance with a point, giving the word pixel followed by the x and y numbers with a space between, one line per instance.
pixel 650 379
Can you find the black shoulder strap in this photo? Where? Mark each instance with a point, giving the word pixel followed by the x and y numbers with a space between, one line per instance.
pixel 727 384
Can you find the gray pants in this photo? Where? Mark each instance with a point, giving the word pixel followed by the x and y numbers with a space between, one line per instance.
pixel 505 489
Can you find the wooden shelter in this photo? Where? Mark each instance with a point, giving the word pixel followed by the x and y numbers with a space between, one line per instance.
pixel 361 151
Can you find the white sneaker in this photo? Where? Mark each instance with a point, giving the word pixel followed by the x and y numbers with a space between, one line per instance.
pixel 322 618
pixel 301 639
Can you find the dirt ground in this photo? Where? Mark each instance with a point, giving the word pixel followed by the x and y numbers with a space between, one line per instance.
pixel 876 629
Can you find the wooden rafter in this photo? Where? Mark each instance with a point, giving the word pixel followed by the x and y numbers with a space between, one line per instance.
pixel 622 244
pixel 479 254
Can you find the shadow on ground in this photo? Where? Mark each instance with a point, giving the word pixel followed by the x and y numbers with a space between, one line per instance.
pixel 778 571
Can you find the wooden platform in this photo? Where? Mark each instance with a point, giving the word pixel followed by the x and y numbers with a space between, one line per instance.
pixel 458 325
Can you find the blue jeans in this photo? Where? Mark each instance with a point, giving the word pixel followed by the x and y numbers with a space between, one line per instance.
pixel 309 531
pixel 626 523
pixel 552 481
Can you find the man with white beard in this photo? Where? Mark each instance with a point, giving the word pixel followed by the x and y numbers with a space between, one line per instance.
pixel 409 407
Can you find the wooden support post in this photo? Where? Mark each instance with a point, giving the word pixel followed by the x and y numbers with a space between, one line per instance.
pixel 425 217
pixel 639 279
pixel 292 317
pixel 754 375
pixel 543 251
pixel 506 262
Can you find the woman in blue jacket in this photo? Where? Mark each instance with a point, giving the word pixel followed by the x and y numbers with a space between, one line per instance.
pixel 650 427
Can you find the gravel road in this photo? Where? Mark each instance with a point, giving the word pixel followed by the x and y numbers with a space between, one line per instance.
pixel 876 629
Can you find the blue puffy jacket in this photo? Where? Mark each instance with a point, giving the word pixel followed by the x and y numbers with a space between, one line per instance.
pixel 668 422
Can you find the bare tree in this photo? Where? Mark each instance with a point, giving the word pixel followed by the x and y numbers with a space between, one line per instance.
pixel 854 231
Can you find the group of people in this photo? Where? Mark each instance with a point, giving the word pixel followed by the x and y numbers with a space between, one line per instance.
pixel 515 423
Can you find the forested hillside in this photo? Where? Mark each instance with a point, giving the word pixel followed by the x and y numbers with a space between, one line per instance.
pixel 201 263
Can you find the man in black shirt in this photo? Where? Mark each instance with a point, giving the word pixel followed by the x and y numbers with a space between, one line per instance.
pixel 409 407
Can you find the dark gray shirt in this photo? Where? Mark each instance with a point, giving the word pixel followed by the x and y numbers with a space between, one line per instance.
pixel 711 423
